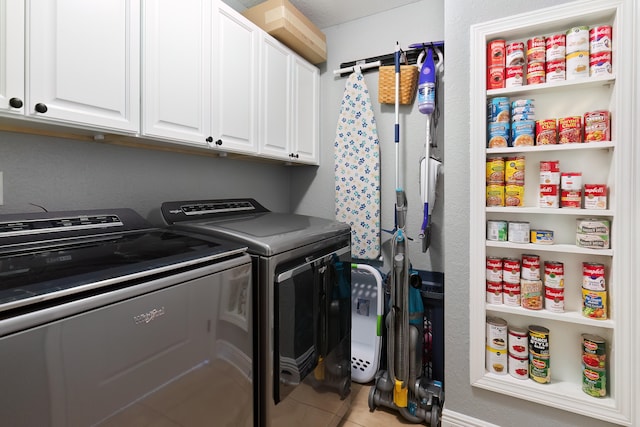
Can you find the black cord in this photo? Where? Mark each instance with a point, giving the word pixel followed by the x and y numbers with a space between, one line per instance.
pixel 41 207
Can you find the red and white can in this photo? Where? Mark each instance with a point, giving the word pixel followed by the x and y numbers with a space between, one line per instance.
pixel 511 270
pixel 570 129
pixel 593 276
pixel 530 269
pixel 577 65
pixel 494 269
pixel 554 299
pixel 511 294
pixel 577 39
pixel 519 367
pixel 600 39
pixel 518 341
pixel 536 73
pixel 546 132
pixel 494 292
pixel 536 50
pixel 556 70
pixel 549 196
pixel 553 274
pixel 555 46
pixel 571 199
pixel 495 77
pixel 600 64
pixel 514 76
pixel 515 54
pixel 571 181
pixel 496 53
pixel 597 126
pixel 595 196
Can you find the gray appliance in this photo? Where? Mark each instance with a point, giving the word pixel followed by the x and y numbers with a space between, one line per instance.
pixel 302 278
pixel 106 320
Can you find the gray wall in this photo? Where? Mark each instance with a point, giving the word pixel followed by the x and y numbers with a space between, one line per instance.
pixel 313 189
pixel 61 174
pixel 461 397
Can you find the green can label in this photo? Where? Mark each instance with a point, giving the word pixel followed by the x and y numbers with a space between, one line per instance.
pixel 539 369
pixel 594 381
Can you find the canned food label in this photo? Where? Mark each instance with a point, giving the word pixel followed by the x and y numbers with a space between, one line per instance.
pixel 594 381
pixel 536 73
pixel 600 39
pixel 546 132
pixel 495 77
pixel 593 276
pixel 539 369
pixel 526 109
pixel 522 117
pixel 521 103
pixel 498 110
pixel 592 226
pixel 570 129
pixel 555 47
pixel 594 352
pixel 494 292
pixel 495 170
pixel 594 304
pixel 553 274
pixel 595 196
pixel 536 50
pixel 513 196
pixel 556 70
pixel 542 237
pixel 511 271
pixel 577 65
pixel 523 132
pixel 518 344
pixel 549 196
pixel 571 181
pixel 530 269
pixel 514 170
pixel 539 340
pixel 571 199
pixel 498 134
pixel 515 54
pixel 550 166
pixel 511 294
pixel 519 367
pixel 531 296
pixel 597 126
pixel 577 39
pixel 592 241
pixel 514 76
pixel 497 231
pixel 496 361
pixel 518 232
pixel 554 299
pixel 495 195
pixel 497 333
pixel 600 64
pixel 496 52
pixel 494 269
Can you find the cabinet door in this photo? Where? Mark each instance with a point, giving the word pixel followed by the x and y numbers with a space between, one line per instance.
pixel 176 84
pixel 306 92
pixel 235 82
pixel 84 62
pixel 12 56
pixel 275 104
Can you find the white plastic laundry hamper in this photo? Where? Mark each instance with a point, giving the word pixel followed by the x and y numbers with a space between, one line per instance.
pixel 366 317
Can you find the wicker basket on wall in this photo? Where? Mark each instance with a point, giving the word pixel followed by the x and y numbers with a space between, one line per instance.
pixel 387 84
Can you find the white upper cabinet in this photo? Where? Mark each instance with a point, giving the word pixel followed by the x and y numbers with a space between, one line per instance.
pixel 235 82
pixel 176 70
pixel 306 93
pixel 84 63
pixel 12 56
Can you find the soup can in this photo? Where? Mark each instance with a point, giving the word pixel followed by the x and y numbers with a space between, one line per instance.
pixel 577 65
pixel 496 231
pixel 592 241
pixel 494 292
pixel 571 199
pixel 497 333
pixel 495 170
pixel 514 76
pixel 554 299
pixel 555 46
pixel 511 294
pixel 513 195
pixel 525 102
pixel 542 237
pixel 593 276
pixel 518 232
pixel 498 109
pixel 595 196
pixel 570 129
pixel 536 73
pixel 594 304
pixel 549 196
pixel 597 126
pixel 600 39
pixel 556 70
pixel 539 368
pixel 514 170
pixel 600 64
pixel 550 172
pixel 571 181
pixel 496 361
pixel 495 77
pixel 546 132
pixel 515 54
pixel 494 269
pixel 495 195
pixel 519 367
pixel 594 351
pixel 539 340
pixel 536 50
pixel 522 117
pixel 496 52
pixel 553 274
pixel 518 339
pixel 498 135
pixel 531 294
pixel 594 381
pixel 524 109
pixel 523 133
pixel 511 270
pixel 577 39
pixel 593 226
pixel 530 267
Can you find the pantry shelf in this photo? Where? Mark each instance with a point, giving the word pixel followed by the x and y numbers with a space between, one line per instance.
pixel 580 84
pixel 550 211
pixel 567 316
pixel 550 248
pixel 601 145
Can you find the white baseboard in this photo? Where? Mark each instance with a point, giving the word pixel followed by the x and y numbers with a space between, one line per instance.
pixel 456 419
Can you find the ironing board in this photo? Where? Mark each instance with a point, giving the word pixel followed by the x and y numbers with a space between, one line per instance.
pixel 357 169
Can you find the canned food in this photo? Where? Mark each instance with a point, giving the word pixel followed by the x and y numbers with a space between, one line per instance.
pixel 494 269
pixel 518 342
pixel 494 292
pixel 519 367
pixel 522 103
pixel 542 237
pixel 571 199
pixel 592 241
pixel 515 54
pixel 518 232
pixel 514 76
pixel 514 170
pixel 593 226
pixel 536 73
pixel 496 361
pixel 595 196
pixel 594 351
pixel 594 381
pixel 577 39
pixel 523 116
pixel 513 195
pixel 496 333
pixel 523 133
pixel 570 129
pixel 553 274
pixel 496 52
pixel 539 340
pixel 571 180
pixel 594 304
pixel 550 166
pixel 556 70
pixel 498 135
pixel 597 126
pixel 600 64
pixel 498 110
pixel 593 276
pixel 536 50
pixel 530 269
pixel 554 299
pixel 546 132
pixel 531 296
pixel 549 177
pixel 511 270
pixel 495 195
pixel 526 109
pixel 539 369
pixel 577 65
pixel 497 231
pixel 600 39
pixel 549 196
pixel 495 77
pixel 495 170
pixel 511 294
pixel 555 46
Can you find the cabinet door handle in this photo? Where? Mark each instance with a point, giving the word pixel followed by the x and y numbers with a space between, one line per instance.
pixel 219 142
pixel 41 108
pixel 16 102
pixel 209 139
